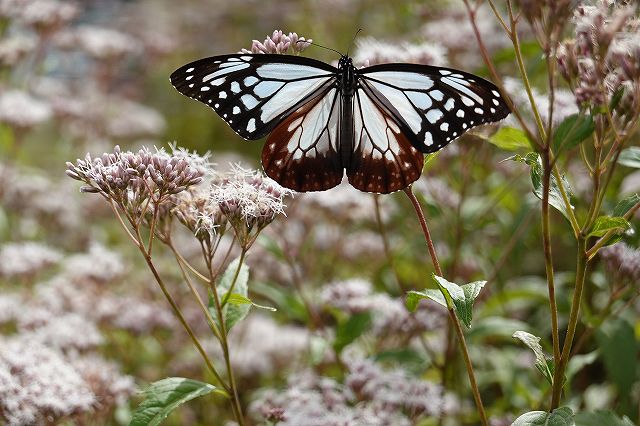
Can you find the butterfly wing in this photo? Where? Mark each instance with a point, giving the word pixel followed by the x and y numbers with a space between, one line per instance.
pixel 254 93
pixel 303 151
pixel 383 159
pixel 431 105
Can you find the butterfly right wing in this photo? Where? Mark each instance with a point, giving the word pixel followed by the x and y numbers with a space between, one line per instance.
pixel 253 93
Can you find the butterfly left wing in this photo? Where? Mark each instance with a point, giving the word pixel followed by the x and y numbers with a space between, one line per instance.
pixel 254 93
pixel 431 105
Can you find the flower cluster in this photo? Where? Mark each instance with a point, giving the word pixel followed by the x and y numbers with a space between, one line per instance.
pixel 131 179
pixel 622 262
pixel 604 56
pixel 21 110
pixel 26 259
pixel 372 51
pixel 279 42
pixel 250 201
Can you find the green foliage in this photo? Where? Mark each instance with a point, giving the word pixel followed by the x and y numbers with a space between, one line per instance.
pixel 164 396
pixel 619 350
pixel 544 365
pixel 451 295
pixel 555 195
pixel 233 312
pixel 625 205
pixel 510 139
pixel 350 329
pixel 573 130
pixel 604 224
pixel 562 416
pixel 630 157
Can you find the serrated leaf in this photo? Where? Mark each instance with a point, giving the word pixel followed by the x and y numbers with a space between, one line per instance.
pixel 414 297
pixel 461 298
pixel 164 396
pixel 562 416
pixel 630 157
pixel 233 313
pixel 572 131
pixel 510 139
pixel 601 418
pixel 349 330
pixel 625 205
pixel 605 224
pixel 542 363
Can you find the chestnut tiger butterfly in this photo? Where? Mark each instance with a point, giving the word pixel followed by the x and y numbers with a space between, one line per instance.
pixel 374 122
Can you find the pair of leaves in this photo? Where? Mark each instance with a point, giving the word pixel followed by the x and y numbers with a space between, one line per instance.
pixel 238 304
pixel 451 296
pixel 164 396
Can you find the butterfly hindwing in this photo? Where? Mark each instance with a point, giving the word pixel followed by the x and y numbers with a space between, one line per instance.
pixel 253 93
pixel 303 151
pixel 383 159
pixel 432 105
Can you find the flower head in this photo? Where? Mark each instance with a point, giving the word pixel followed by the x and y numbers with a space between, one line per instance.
pixel 131 179
pixel 21 110
pixel 250 201
pixel 279 42
pixel 372 51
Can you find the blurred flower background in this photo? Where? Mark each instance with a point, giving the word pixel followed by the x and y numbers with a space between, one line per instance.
pixel 83 325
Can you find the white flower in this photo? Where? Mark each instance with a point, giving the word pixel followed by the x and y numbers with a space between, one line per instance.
pixel 26 258
pixel 20 109
pixel 372 51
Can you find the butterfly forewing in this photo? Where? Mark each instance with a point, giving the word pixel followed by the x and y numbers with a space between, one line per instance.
pixel 302 152
pixel 432 105
pixel 254 93
pixel 383 158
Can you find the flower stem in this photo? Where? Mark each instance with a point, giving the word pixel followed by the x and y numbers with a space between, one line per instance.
pixel 224 342
pixel 558 373
pixel 452 314
pixel 548 258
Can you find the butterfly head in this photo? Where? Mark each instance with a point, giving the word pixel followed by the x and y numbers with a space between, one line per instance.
pixel 345 62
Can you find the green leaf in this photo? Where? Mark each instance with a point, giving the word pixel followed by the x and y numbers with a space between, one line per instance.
pixel 619 352
pixel 630 157
pixel 414 297
pixel 238 299
pixel 233 312
pixel 562 416
pixel 555 196
pixel 164 396
pixel 572 131
pixel 429 158
pixel 349 330
pixel 544 365
pixel 510 139
pixel 461 298
pixel 605 224
pixel 601 418
pixel 625 205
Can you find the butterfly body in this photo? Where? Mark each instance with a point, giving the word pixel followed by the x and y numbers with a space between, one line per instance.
pixel 373 123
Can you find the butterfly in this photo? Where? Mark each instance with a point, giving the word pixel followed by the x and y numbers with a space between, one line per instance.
pixel 374 122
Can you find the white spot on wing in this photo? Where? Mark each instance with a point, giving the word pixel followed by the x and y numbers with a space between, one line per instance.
pixel 405 80
pixel 189 77
pixel 220 72
pixel 434 115
pixel 478 111
pixel 419 99
pixel 449 104
pixel 250 81
pixel 190 69
pixel 249 101
pixel 222 95
pixel 236 110
pixel 251 125
pixel 428 139
pixel 205 88
pixel 460 113
pixel 444 127
pixel 235 87
pixel 265 89
pixel 217 81
pixel 456 84
pixel 437 95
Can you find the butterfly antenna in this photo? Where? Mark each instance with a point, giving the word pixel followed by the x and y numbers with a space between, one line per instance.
pixel 353 40
pixel 319 45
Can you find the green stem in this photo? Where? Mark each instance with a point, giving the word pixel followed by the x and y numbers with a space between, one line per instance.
pixel 235 278
pixel 452 314
pixel 548 258
pixel 558 374
pixel 224 342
